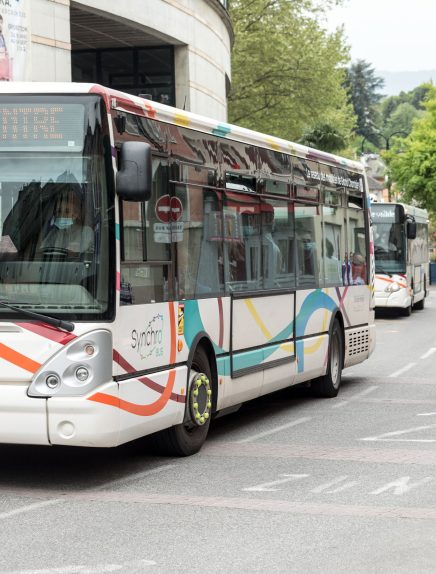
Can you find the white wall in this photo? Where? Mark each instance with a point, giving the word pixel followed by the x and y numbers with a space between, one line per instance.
pixel 197 30
pixel 50 35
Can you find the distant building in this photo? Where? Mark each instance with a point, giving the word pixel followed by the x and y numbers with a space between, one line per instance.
pixel 174 52
pixel 376 171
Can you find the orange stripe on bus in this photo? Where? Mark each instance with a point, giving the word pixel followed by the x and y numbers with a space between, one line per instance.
pixel 159 404
pixel 390 281
pixel 18 359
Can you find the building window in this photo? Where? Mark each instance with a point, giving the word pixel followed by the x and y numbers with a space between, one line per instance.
pixel 133 70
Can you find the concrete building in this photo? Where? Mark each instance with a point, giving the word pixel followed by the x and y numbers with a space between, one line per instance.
pixel 177 51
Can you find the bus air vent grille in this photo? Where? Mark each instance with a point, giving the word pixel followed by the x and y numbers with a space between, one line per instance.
pixel 358 342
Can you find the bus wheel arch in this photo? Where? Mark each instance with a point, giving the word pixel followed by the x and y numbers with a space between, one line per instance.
pixel 328 385
pixel 187 437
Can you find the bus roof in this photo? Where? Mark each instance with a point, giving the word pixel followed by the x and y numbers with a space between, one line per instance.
pixel 124 102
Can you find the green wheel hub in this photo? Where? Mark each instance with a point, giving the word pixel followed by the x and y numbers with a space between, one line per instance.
pixel 200 399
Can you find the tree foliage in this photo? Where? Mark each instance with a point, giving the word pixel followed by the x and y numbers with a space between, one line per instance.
pixel 363 88
pixel 324 136
pixel 414 169
pixel 287 70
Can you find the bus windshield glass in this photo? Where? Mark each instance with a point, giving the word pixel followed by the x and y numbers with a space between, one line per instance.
pixel 389 239
pixel 55 209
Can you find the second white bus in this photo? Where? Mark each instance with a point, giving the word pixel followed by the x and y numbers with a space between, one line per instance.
pixel 401 256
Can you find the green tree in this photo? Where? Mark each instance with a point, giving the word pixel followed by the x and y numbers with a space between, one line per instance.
pixel 287 70
pixel 363 88
pixel 401 120
pixel 414 169
pixel 324 136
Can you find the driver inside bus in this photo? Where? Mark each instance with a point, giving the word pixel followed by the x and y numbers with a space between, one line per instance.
pixel 67 233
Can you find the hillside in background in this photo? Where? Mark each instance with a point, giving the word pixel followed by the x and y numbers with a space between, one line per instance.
pixel 396 82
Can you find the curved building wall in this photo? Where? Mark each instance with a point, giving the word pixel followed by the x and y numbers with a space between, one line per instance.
pixel 199 32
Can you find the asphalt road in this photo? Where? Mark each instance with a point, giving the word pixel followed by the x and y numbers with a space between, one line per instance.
pixel 288 484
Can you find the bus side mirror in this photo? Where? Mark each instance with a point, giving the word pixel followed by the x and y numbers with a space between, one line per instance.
pixel 134 177
pixel 411 229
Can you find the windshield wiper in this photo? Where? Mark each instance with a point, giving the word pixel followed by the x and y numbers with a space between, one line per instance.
pixel 66 325
pixel 381 270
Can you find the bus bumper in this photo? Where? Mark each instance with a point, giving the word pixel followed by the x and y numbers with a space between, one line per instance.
pixel 23 420
pixel 73 421
pixel 400 299
pixel 79 421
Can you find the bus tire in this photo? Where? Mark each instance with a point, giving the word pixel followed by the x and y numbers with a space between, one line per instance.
pixel 328 385
pixel 188 438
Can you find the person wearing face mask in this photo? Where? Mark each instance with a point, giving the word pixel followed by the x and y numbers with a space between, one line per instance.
pixel 68 234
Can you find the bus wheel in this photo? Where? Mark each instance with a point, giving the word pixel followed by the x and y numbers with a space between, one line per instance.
pixel 328 385
pixel 188 438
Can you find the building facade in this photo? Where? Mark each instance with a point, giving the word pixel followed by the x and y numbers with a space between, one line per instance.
pixel 173 51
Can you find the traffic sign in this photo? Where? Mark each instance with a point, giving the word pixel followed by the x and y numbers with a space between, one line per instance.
pixel 163 209
pixel 168 209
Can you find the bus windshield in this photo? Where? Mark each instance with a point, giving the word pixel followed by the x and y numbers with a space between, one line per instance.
pixel 389 248
pixel 55 209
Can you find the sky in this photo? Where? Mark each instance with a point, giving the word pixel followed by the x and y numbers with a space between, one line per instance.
pixel 393 35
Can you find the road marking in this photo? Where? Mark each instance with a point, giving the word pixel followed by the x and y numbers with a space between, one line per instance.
pixel 29 507
pixel 266 486
pixel 273 451
pixel 274 430
pixel 428 353
pixel 354 398
pixel 112 483
pixel 134 477
pixel 388 437
pixel 401 485
pixel 425 414
pixel 327 485
pixel 82 569
pixel 403 370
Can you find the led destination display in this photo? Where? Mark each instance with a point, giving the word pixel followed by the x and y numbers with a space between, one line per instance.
pixel 36 127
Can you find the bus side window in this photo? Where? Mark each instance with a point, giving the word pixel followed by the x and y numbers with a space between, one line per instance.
pixel 242 242
pixel 309 241
pixel 146 245
pixel 357 272
pixel 197 234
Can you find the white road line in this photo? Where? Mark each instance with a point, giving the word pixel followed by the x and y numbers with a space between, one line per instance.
pixel 29 507
pixel 274 430
pixel 389 436
pixel 425 414
pixel 355 397
pixel 266 486
pixel 403 370
pixel 109 484
pixel 428 353
pixel 82 569
pixel 134 477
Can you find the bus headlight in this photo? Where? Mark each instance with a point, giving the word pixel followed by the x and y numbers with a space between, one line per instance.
pixel 75 370
pixel 82 374
pixel 392 287
pixel 52 381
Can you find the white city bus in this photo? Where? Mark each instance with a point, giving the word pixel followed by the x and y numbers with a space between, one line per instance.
pixel 204 265
pixel 401 256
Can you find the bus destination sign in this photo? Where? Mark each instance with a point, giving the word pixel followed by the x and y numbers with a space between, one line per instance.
pixel 386 213
pixel 41 126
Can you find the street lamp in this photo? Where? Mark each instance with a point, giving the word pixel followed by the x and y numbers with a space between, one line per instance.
pixel 388 138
